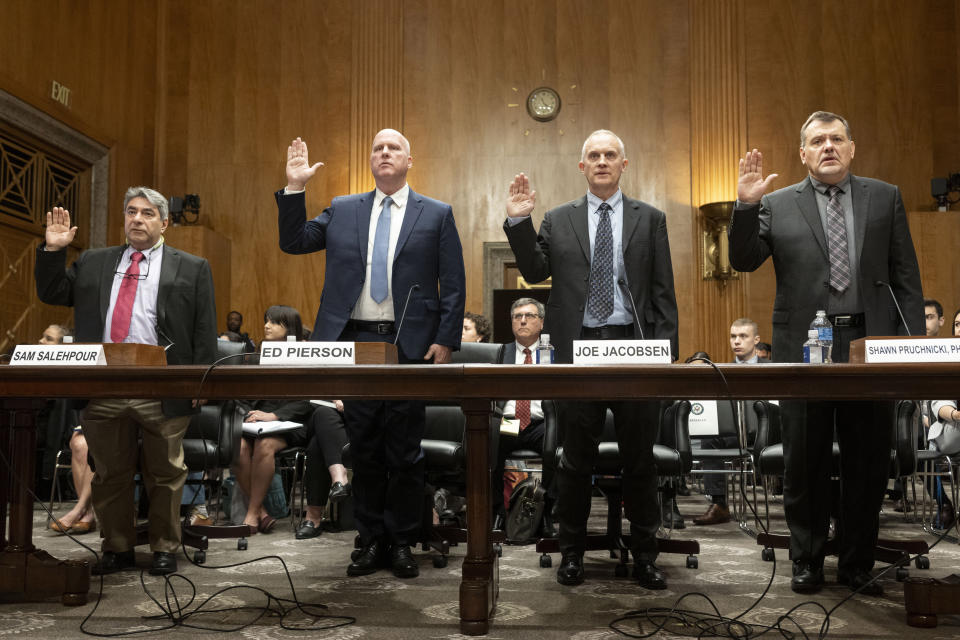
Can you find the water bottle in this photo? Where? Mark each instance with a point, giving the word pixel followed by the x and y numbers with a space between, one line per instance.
pixel 824 334
pixel 545 350
pixel 812 349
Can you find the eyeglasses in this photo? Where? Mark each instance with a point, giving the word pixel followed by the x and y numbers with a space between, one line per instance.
pixel 140 276
pixel 526 316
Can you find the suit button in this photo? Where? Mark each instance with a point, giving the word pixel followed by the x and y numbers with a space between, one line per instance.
pixel 580 308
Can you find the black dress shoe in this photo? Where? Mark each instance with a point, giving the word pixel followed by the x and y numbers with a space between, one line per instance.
pixel 856 579
pixel 403 563
pixel 368 561
pixel 806 577
pixel 670 516
pixel 308 530
pixel 340 492
pixel 570 571
pixel 164 563
pixel 649 576
pixel 113 561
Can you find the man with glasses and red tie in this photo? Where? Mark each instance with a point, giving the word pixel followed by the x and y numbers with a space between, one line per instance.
pixel 522 425
pixel 143 292
pixel 840 243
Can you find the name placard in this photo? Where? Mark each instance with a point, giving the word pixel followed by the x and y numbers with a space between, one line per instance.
pixel 621 352
pixel 908 350
pixel 61 355
pixel 308 353
pixel 703 418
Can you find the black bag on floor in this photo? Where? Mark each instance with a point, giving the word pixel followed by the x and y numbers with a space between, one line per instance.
pixel 526 511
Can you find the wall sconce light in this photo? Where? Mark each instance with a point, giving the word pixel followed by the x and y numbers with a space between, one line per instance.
pixel 714 246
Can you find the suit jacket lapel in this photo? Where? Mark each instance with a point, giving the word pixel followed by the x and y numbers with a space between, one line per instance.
pixel 631 218
pixel 108 272
pixel 860 195
pixel 168 273
pixel 364 212
pixel 578 219
pixel 807 203
pixel 410 215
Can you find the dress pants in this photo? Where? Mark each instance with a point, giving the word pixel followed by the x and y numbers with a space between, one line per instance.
pixel 581 425
pixel 864 432
pixel 110 427
pixel 388 462
pixel 530 438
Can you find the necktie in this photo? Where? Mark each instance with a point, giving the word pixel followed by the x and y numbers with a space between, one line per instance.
pixel 600 298
pixel 522 410
pixel 837 242
pixel 123 309
pixel 381 246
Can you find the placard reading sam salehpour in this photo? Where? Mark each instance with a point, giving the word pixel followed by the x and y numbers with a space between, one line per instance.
pixel 621 352
pixel 308 353
pixel 59 355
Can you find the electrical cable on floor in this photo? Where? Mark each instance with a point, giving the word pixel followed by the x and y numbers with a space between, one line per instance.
pixel 713 624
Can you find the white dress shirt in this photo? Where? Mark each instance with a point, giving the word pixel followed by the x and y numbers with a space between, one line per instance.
pixel 143 320
pixel 366 308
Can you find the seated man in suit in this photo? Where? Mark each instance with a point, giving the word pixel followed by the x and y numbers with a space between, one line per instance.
pixel 744 339
pixel 141 292
pixel 522 427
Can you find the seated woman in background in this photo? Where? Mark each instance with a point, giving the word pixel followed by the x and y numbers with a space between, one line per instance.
pixel 476 328
pixel 254 467
pixel 944 436
pixel 325 476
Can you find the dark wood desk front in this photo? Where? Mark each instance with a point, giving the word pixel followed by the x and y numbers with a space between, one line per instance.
pixel 474 386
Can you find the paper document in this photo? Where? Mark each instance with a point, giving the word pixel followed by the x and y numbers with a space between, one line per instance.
pixel 268 427
pixel 510 426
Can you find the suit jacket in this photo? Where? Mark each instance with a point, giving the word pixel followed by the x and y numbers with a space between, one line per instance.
pixel 786 225
pixel 186 311
pixel 428 254
pixel 562 250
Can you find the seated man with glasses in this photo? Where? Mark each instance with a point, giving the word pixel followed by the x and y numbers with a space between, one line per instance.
pixel 522 426
pixel 142 292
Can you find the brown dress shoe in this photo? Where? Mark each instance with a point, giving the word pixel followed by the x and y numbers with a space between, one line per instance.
pixel 716 514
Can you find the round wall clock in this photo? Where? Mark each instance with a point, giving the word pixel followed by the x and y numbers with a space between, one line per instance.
pixel 543 104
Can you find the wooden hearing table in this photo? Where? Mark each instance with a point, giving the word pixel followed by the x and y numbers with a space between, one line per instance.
pixel 474 386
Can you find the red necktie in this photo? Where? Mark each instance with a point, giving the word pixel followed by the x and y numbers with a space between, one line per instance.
pixel 123 309
pixel 522 410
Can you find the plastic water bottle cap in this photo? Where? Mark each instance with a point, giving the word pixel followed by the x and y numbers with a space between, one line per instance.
pixel 67 339
pixel 291 338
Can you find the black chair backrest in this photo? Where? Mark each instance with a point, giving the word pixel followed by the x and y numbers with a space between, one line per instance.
pixel 476 353
pixel 768 425
pixel 228 348
pixel 905 428
pixel 220 427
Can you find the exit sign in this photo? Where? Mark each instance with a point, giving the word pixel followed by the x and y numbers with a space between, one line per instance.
pixel 60 93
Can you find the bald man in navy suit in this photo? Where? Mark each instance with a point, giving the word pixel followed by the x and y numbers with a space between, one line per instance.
pixel 393 256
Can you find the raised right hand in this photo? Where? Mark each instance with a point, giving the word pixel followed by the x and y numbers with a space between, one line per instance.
pixel 299 170
pixel 59 233
pixel 752 185
pixel 522 200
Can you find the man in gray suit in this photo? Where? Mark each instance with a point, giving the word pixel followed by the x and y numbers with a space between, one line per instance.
pixel 838 241
pixel 604 252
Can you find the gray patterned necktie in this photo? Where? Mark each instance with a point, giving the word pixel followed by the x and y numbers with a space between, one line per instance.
pixel 381 247
pixel 837 242
pixel 600 299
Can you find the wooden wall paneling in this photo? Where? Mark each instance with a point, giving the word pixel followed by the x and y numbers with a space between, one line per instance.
pixel 936 236
pixel 718 137
pixel 216 248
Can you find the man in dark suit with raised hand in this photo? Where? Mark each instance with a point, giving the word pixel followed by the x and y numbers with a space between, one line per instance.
pixel 144 292
pixel 393 256
pixel 596 248
pixel 837 241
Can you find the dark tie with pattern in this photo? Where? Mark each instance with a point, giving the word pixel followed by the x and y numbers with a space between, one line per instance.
pixel 381 247
pixel 600 299
pixel 522 411
pixel 837 241
pixel 123 307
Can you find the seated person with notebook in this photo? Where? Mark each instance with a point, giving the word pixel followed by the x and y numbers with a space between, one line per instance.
pixel 254 467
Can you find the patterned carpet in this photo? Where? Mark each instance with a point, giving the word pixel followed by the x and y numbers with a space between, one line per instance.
pixel 532 604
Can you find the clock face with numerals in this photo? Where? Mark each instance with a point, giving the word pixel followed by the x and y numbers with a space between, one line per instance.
pixel 543 104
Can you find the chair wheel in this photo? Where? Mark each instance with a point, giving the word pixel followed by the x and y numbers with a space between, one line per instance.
pixel 620 571
pixel 200 556
pixel 439 562
pixel 922 562
pixel 546 561
pixel 693 562
pixel 498 549
pixel 242 544
pixel 767 554
pixel 902 574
